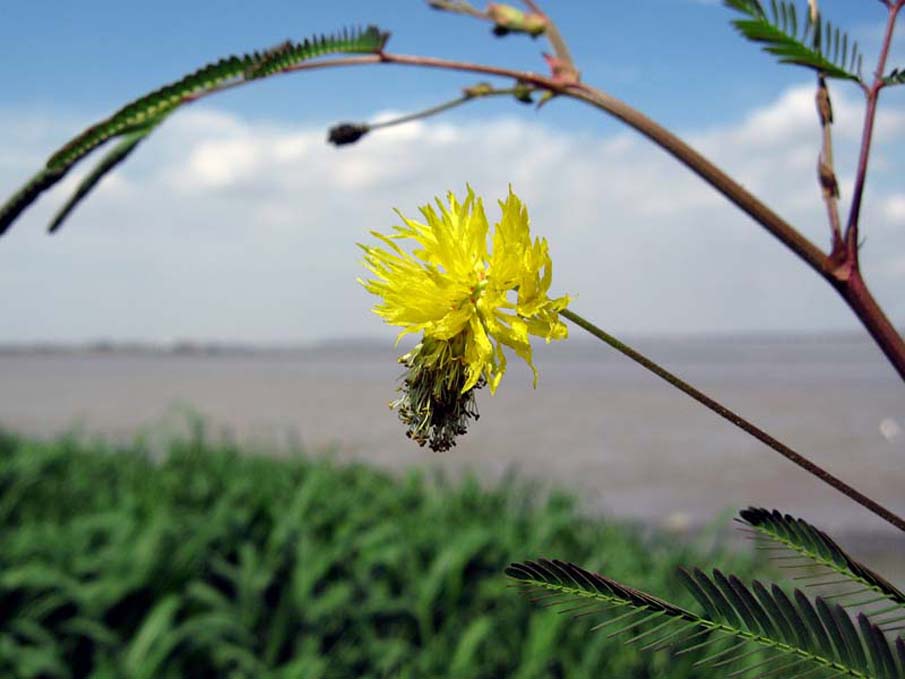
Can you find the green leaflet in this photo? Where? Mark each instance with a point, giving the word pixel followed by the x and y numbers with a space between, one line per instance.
pixel 801 537
pixel 790 635
pixel 895 77
pixel 819 45
pixel 109 162
pixel 247 66
pixel 25 196
pixel 142 115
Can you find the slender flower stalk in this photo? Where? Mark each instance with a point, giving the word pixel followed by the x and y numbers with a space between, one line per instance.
pixel 737 420
pixel 349 133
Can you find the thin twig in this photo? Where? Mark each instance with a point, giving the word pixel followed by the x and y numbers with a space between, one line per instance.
pixel 426 113
pixel 870 113
pixel 737 420
pixel 459 7
pixel 349 133
pixel 826 172
pixel 471 94
pixel 557 42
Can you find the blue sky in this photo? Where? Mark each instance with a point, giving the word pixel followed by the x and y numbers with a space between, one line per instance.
pixel 237 223
pixel 90 57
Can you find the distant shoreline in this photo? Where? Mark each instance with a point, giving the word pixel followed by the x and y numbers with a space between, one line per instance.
pixel 375 344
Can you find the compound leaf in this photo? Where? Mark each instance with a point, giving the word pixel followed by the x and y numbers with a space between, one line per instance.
pixel 820 46
pixel 814 640
pixel 138 118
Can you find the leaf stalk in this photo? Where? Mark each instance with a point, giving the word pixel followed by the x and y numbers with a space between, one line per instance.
pixel 870 113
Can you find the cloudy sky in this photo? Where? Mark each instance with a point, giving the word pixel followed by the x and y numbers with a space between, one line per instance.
pixel 236 222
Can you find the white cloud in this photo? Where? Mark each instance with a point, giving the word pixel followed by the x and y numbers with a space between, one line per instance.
pixel 895 267
pixel 894 208
pixel 223 228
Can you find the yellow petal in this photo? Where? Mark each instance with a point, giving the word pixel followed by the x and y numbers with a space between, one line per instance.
pixel 478 354
pixel 448 286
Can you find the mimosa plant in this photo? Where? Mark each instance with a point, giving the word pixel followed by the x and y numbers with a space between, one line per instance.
pixel 470 303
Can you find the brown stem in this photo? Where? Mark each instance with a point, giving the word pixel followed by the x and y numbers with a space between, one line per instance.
pixel 734 191
pixel 870 113
pixel 826 172
pixel 738 421
pixel 471 94
pixel 713 175
pixel 845 277
pixel 554 36
pixel 855 292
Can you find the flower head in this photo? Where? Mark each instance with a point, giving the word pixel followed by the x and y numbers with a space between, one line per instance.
pixel 469 302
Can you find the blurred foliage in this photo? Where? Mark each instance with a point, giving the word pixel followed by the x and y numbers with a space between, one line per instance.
pixel 215 563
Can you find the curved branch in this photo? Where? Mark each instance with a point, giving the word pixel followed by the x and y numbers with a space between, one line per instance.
pixel 844 279
pixel 713 175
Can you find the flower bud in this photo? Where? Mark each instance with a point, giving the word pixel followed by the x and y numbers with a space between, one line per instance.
pixel 478 90
pixel 510 19
pixel 346 133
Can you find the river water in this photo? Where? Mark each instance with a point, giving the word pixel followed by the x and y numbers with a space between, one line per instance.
pixel 597 424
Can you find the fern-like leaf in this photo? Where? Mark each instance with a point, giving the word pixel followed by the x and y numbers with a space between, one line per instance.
pixel 820 46
pixel 143 113
pixel 233 68
pixel 792 635
pixel 800 537
pixel 895 77
pixel 110 161
pixel 28 193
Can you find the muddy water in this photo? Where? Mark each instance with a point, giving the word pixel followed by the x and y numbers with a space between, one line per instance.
pixel 597 424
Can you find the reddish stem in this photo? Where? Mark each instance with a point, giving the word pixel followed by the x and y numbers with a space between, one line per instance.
pixel 854 291
pixel 870 114
pixel 842 275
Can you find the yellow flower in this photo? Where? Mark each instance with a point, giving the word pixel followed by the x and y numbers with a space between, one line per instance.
pixel 455 291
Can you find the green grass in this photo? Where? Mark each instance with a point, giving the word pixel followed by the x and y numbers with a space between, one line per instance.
pixel 214 563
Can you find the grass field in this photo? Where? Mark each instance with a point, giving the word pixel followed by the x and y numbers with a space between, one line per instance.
pixel 212 562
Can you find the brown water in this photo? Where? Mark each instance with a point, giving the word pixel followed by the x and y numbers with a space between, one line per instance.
pixel 597 424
